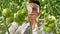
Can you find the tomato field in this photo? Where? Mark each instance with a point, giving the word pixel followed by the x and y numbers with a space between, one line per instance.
pixel 15 11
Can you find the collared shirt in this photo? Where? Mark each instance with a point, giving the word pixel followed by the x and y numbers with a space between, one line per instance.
pixel 25 29
pixel 37 30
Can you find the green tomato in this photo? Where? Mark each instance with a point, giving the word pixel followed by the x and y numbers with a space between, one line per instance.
pixel 2 24
pixel 43 0
pixel 18 7
pixel 52 25
pixel 20 16
pixel 27 3
pixel 49 17
pixel 9 19
pixel 20 22
pixel 44 28
pixel 6 12
pixel 57 32
pixel 43 11
pixel 45 23
pixel 18 12
pixel 53 18
pixel 47 29
pixel 58 25
pixel 17 19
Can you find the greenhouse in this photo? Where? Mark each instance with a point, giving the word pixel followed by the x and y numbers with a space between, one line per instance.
pixel 29 16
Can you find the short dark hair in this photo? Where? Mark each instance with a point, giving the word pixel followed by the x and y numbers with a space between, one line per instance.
pixel 35 1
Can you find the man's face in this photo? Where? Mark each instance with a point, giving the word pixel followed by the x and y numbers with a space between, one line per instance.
pixel 33 12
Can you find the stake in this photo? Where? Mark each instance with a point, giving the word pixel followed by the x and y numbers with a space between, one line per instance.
pixel 30 27
pixel 6 25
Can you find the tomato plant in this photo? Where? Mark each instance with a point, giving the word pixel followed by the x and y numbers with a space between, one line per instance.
pixel 15 11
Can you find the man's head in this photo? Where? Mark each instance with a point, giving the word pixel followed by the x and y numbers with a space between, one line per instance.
pixel 33 11
pixel 33 6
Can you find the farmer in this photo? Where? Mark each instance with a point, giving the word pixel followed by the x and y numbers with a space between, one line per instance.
pixel 33 13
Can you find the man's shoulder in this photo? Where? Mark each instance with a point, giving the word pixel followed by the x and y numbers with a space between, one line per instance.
pixel 25 29
pixel 34 31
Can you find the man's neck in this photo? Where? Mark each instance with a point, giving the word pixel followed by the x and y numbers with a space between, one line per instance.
pixel 34 25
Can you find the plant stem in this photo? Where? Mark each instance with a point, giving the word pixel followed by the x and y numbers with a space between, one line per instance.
pixel 29 20
pixel 30 27
pixel 6 25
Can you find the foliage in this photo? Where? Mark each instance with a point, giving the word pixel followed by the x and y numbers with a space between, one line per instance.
pixel 16 9
pixel 50 12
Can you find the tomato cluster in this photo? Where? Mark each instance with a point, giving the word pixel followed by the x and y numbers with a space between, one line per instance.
pixel 49 23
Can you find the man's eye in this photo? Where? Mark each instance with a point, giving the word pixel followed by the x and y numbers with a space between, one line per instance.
pixel 34 8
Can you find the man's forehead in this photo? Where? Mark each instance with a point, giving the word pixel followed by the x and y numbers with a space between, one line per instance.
pixel 33 5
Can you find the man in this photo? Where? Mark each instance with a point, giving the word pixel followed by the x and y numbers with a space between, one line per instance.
pixel 33 13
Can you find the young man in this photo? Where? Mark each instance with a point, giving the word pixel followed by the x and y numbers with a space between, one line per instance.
pixel 33 12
